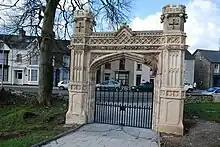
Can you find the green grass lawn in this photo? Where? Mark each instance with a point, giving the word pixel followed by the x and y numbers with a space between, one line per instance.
pixel 205 111
pixel 25 124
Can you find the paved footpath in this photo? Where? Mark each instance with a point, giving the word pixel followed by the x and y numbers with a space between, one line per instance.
pixel 103 135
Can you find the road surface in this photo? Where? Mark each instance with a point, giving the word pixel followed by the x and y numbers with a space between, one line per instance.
pixel 33 89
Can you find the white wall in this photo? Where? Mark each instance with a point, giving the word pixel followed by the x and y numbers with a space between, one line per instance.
pixel 129 66
pixel 189 66
pixel 24 66
pixel 145 73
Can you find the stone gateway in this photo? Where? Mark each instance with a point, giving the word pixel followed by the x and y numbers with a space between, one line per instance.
pixel 162 50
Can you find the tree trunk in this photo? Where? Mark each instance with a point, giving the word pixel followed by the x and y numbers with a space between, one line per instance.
pixel 46 47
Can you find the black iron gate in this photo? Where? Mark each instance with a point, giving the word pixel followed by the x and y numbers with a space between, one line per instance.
pixel 124 107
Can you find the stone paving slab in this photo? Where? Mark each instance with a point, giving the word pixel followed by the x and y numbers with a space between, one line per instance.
pixel 104 135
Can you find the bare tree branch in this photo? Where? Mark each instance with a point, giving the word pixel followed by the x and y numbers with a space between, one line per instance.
pixel 45 19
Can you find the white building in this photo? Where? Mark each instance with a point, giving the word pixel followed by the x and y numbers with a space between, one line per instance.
pixel 127 72
pixel 142 73
pixel 24 66
pixel 131 73
pixel 21 59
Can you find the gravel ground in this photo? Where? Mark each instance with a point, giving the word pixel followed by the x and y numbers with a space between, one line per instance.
pixel 199 133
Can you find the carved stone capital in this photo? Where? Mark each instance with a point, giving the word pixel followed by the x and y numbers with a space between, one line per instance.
pixel 172 93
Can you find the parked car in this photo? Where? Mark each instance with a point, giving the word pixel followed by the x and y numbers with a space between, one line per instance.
pixel 108 85
pixel 211 91
pixel 63 84
pixel 188 87
pixel 147 87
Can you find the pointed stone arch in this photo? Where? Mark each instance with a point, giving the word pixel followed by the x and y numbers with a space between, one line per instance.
pixel 116 56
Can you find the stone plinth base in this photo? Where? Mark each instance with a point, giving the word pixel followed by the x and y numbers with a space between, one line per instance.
pixel 75 118
pixel 172 129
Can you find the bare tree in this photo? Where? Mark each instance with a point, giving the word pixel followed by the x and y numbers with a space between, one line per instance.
pixel 47 18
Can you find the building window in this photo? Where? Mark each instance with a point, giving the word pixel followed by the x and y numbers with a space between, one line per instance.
pixel 18 74
pixel 200 58
pixel 139 67
pixel 122 64
pixel 18 58
pixel 108 65
pixel 138 79
pixel 66 75
pixel 5 58
pixel 29 74
pixel 216 68
pixel 5 74
pixel 98 76
pixel 107 76
pixel 123 78
pixel 66 61
pixel 34 60
pixel 5 78
pixel 32 75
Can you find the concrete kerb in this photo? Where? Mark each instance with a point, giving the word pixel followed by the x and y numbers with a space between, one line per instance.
pixel 58 136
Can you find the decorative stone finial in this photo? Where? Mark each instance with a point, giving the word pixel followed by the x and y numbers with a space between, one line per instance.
pixel 83 13
pixel 83 22
pixel 173 17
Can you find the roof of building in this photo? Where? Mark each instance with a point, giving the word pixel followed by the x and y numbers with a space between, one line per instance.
pixel 13 41
pixel 211 55
pixel 189 56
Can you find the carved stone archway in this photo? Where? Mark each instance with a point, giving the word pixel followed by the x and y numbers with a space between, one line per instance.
pixel 162 50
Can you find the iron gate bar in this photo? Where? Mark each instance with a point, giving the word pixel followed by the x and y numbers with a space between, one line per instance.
pixel 127 108
pixel 122 123
pixel 148 121
pixel 127 118
pixel 151 120
pixel 133 112
pixel 142 110
pixel 147 112
pixel 109 94
pixel 137 109
pixel 116 107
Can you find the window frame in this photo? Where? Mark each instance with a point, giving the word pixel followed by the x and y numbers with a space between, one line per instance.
pixel 139 69
pixel 34 59
pixel 216 68
pixel 66 61
pixel 122 78
pixel 105 75
pixel 35 76
pixel 108 65
pixel 122 64
pixel 30 75
pixel 18 58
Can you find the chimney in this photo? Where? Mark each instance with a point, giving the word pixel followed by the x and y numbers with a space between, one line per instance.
pixel 21 34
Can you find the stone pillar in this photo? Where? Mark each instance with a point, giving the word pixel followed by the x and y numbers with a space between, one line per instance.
pixel 78 89
pixel 91 96
pixel 172 92
pixel 79 86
